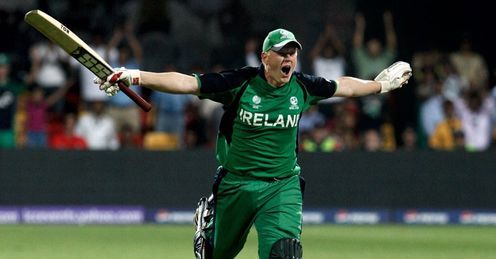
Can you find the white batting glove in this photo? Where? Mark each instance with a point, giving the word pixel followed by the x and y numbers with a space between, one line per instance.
pixel 121 75
pixel 394 77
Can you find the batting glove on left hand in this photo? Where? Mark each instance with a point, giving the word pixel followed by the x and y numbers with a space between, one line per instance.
pixel 121 75
pixel 395 76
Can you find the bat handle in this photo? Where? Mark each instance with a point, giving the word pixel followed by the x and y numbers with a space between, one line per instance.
pixel 146 106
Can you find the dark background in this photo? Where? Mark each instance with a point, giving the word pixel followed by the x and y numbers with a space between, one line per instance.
pixel 178 179
pixel 424 25
pixel 421 25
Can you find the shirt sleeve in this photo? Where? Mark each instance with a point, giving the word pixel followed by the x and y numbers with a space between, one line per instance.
pixel 318 88
pixel 222 87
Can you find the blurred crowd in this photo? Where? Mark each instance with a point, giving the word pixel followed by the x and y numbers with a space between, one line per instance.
pixel 48 100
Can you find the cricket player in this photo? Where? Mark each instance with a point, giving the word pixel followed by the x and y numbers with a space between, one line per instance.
pixel 258 180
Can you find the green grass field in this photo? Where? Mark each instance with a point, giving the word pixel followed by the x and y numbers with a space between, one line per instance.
pixel 172 241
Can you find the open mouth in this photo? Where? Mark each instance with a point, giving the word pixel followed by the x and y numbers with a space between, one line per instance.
pixel 285 69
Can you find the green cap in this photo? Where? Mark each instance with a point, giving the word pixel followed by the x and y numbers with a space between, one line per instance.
pixel 4 59
pixel 277 39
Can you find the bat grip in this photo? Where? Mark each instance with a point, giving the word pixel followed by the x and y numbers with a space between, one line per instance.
pixel 146 106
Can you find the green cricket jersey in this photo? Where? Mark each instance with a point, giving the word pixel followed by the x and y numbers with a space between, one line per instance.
pixel 261 141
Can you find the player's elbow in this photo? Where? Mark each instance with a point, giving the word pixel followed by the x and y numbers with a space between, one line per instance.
pixel 344 88
pixel 188 85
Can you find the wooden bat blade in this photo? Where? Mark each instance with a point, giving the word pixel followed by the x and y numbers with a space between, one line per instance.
pixel 69 41
pixel 51 28
pixel 78 49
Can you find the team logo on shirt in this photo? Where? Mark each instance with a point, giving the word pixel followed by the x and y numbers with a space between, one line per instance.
pixel 256 101
pixel 294 103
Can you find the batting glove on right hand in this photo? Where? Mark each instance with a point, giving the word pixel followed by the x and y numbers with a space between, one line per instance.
pixel 120 75
pixel 395 76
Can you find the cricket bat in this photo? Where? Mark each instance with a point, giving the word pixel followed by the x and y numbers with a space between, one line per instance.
pixel 78 49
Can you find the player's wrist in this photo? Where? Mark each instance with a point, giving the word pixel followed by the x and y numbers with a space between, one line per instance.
pixel 385 86
pixel 135 75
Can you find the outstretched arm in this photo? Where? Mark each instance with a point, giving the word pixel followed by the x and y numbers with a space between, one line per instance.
pixel 168 82
pixel 354 87
pixel 393 77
